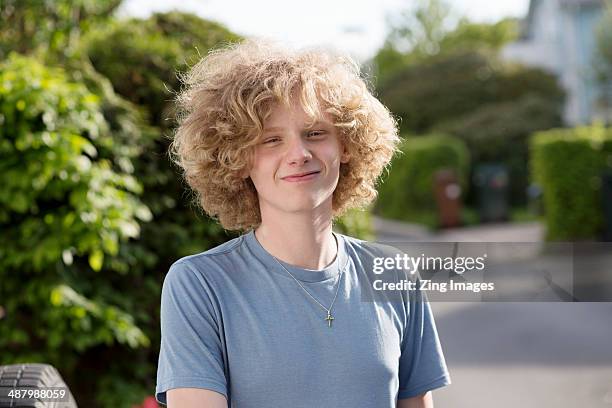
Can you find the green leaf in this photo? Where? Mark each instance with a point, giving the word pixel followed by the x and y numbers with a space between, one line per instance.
pixel 56 297
pixel 96 259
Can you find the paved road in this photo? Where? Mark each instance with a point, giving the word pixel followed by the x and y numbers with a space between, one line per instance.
pixel 519 354
pixel 526 355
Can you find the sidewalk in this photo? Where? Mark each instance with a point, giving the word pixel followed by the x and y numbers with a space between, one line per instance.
pixel 517 354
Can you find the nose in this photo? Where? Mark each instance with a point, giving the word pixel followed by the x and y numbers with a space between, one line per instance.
pixel 297 152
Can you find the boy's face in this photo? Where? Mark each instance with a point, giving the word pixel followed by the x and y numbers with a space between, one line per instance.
pixel 296 167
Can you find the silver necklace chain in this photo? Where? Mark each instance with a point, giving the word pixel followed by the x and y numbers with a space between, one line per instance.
pixel 329 318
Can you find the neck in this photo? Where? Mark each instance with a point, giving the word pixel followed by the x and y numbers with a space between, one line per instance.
pixel 304 240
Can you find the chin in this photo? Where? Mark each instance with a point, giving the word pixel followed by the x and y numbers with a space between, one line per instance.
pixel 302 205
pixel 294 202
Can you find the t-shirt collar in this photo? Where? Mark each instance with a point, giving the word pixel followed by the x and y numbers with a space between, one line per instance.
pixel 302 274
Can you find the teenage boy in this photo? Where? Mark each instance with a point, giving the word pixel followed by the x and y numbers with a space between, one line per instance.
pixel 277 143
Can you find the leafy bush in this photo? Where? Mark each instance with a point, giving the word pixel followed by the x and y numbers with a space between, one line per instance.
pixel 50 29
pixel 568 164
pixel 146 56
pixel 68 202
pixel 142 66
pixel 408 192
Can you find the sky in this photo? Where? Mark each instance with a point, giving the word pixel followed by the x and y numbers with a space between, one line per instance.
pixel 353 26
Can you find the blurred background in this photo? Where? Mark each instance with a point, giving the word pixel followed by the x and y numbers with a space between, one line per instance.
pixel 504 108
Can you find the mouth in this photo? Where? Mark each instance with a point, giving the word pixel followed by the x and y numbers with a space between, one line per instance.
pixel 302 176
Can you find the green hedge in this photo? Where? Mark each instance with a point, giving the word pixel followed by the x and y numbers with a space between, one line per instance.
pixel 407 191
pixel 568 164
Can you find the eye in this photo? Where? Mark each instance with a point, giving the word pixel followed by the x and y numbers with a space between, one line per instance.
pixel 316 133
pixel 271 140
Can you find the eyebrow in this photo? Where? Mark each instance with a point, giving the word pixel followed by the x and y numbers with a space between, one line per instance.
pixel 276 128
pixel 269 129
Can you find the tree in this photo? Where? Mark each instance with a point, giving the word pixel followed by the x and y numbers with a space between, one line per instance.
pixel 421 29
pixel 413 35
pixel 480 36
pixel 603 63
pixel 428 30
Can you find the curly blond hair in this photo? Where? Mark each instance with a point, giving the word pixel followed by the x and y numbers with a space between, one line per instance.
pixel 229 94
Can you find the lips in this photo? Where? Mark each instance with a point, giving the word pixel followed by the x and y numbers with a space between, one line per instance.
pixel 301 176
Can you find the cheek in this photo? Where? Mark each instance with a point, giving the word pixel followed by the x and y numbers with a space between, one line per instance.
pixel 333 158
pixel 262 171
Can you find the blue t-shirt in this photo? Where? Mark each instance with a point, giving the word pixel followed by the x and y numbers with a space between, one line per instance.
pixel 234 321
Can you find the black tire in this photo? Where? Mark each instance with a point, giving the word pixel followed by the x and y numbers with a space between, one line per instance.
pixel 32 376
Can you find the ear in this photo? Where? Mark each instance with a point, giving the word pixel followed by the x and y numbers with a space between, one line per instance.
pixel 345 156
pixel 244 173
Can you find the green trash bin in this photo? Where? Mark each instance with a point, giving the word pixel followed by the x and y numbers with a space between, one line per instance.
pixel 491 184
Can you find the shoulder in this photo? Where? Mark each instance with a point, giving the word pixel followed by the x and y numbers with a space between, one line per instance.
pixel 201 266
pixel 222 249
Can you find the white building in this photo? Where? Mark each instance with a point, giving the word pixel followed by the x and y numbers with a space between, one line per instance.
pixel 560 36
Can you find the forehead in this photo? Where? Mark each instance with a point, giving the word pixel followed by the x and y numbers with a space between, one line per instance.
pixel 295 112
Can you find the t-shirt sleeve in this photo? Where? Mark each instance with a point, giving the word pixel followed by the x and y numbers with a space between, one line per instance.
pixel 191 349
pixel 422 365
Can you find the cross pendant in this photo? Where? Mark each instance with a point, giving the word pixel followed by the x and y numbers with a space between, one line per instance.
pixel 329 318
